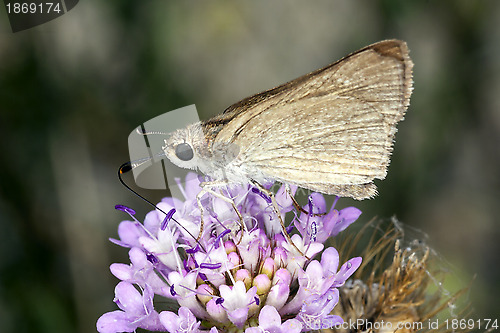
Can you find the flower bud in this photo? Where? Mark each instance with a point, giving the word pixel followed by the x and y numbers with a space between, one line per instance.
pixel 263 284
pixel 244 275
pixel 204 291
pixel 268 267
pixel 229 246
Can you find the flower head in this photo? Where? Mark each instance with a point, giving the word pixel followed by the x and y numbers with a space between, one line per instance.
pixel 238 271
pixel 393 295
pixel 136 311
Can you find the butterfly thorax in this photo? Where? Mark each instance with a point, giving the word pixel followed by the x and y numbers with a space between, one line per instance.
pixel 218 160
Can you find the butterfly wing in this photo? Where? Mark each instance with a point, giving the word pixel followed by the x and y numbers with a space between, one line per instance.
pixel 330 131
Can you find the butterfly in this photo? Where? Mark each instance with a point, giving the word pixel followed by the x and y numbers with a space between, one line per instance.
pixel 329 131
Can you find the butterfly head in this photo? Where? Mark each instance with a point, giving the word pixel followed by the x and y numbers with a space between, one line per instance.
pixel 185 147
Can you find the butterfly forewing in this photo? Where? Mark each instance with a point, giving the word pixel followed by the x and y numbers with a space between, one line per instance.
pixel 329 131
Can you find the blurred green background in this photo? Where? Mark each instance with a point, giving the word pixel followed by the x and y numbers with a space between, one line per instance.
pixel 72 90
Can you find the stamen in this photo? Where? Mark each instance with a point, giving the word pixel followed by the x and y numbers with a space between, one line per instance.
pixel 219 301
pixel 193 250
pixel 257 300
pixel 310 203
pixel 212 213
pixel 172 291
pixel 186 267
pixel 211 266
pixel 167 218
pixel 181 188
pixel 262 195
pixel 196 291
pixel 314 231
pixel 203 276
pixel 152 258
pixel 335 201
pixel 118 242
pixel 218 238
pixel 125 209
pixel 176 255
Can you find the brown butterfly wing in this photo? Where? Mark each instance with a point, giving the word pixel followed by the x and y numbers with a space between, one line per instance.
pixel 330 131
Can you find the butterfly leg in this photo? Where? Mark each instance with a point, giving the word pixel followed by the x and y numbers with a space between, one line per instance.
pixel 277 211
pixel 207 187
pixel 296 204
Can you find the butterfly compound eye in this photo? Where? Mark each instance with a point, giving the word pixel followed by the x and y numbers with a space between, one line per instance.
pixel 184 151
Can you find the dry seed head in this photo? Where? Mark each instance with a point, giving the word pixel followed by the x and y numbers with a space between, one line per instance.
pixel 395 296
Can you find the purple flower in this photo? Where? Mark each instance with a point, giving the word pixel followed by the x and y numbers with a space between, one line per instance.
pixel 234 274
pixel 315 312
pixel 318 228
pixel 129 233
pixel 337 221
pixel 140 271
pixel 330 262
pixel 184 322
pixel 320 278
pixel 270 321
pixel 237 301
pixel 136 311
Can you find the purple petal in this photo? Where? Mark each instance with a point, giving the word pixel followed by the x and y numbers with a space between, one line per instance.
pixel 216 311
pixel 168 203
pixel 291 326
pixel 184 322
pixel 121 271
pixel 330 261
pixel 316 309
pixel 253 330
pixel 238 316
pixel 170 320
pixel 138 257
pixel 192 185
pixel 346 217
pixel 130 232
pixel 138 310
pixel 283 199
pixel 282 275
pixel 347 270
pixel 318 203
pixel 128 298
pixel 269 317
pixel 113 322
pixel 331 321
pixel 314 271
pixel 278 295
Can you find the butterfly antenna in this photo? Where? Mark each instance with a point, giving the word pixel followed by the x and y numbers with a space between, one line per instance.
pixel 126 167
pixel 142 131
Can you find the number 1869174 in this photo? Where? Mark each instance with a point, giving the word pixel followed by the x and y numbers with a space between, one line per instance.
pixel 33 8
pixel 471 324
